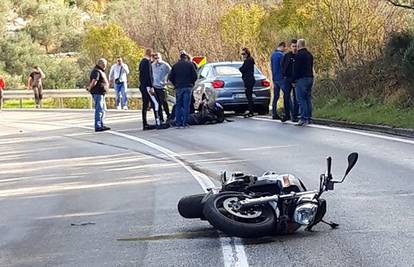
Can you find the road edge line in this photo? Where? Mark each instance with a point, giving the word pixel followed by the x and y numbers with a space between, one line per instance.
pixel 384 137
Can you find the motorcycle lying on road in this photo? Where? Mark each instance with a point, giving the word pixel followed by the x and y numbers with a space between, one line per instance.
pixel 249 206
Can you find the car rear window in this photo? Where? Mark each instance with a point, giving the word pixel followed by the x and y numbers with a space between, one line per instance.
pixel 231 70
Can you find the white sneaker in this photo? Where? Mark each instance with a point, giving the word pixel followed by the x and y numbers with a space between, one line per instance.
pixel 125 108
pixel 118 108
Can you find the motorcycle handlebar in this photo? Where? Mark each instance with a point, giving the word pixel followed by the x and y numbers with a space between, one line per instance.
pixel 329 166
pixel 262 200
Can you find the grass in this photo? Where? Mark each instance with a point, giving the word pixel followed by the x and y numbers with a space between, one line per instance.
pixel 364 112
pixel 27 103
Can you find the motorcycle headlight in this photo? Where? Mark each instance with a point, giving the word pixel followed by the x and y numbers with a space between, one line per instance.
pixel 305 213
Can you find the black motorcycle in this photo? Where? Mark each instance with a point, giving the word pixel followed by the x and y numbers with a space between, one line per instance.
pixel 249 206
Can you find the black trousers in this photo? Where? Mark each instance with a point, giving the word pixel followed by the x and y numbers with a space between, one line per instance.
pixel 249 96
pixel 146 100
pixel 162 100
pixel 290 102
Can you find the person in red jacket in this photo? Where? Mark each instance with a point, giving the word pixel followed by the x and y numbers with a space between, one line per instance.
pixel 2 87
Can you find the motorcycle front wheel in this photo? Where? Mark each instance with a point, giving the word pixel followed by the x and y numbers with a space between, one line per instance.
pixel 222 211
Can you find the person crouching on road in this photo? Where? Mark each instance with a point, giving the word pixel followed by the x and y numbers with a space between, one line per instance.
pixel 160 70
pixel 183 75
pixel 118 77
pixel 247 71
pixel 304 81
pixel 290 101
pixel 275 64
pixel 2 87
pixel 98 87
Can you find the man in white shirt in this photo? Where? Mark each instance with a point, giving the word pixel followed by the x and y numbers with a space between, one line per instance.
pixel 118 77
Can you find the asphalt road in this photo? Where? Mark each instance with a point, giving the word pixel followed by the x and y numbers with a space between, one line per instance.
pixel 72 197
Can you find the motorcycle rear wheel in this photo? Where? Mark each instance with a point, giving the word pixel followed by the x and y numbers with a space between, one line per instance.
pixel 257 221
pixel 190 207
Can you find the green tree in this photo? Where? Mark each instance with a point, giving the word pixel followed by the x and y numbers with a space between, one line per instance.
pixel 240 27
pixel 110 41
pixel 19 53
pixel 57 27
pixel 4 8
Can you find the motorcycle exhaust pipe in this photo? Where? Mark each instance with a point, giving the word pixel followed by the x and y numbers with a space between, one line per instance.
pixel 255 201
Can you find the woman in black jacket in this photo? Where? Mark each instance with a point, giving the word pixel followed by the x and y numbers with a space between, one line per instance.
pixel 247 70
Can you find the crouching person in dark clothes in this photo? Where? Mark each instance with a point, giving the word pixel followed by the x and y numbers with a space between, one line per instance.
pixel 98 87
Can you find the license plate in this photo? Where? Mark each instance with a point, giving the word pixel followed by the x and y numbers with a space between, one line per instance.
pixel 243 96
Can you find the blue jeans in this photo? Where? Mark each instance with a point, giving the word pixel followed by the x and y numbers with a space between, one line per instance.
pixel 99 110
pixel 304 95
pixel 120 91
pixel 276 94
pixel 182 106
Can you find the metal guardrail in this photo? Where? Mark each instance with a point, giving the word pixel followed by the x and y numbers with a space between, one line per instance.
pixel 63 93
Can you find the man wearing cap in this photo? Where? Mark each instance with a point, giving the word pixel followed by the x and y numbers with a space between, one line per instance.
pixel 183 76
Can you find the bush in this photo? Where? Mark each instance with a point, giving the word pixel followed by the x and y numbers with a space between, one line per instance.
pixel 408 68
pixel 397 44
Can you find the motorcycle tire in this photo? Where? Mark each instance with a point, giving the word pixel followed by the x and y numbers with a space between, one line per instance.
pixel 190 207
pixel 264 224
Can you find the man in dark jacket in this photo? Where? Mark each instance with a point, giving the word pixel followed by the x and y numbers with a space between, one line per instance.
pixel 247 71
pixel 98 87
pixel 146 81
pixel 290 103
pixel 183 76
pixel 303 73
pixel 275 64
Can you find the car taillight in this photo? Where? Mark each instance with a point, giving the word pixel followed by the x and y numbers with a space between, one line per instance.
pixel 265 83
pixel 217 84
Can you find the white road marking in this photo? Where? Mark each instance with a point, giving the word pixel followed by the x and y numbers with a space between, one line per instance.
pixel 232 248
pixel 402 140
pixel 263 148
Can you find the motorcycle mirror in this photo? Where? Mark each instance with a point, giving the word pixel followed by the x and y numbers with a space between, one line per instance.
pixel 352 160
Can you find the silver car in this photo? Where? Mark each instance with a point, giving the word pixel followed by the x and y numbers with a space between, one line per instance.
pixel 222 82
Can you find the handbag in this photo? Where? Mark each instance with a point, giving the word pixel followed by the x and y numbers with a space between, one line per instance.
pixel 118 80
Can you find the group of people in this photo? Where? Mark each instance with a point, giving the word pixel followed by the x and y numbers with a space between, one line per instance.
pixel 293 74
pixel 154 75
